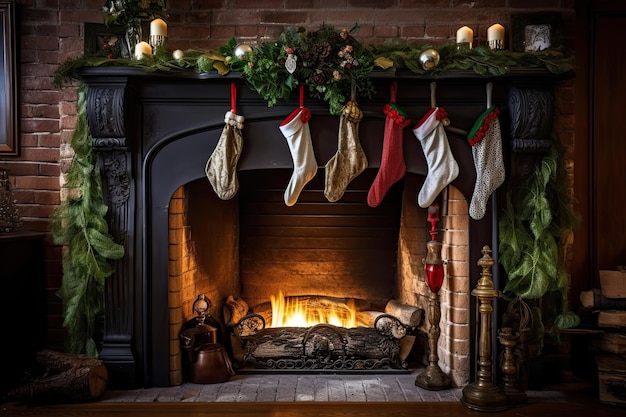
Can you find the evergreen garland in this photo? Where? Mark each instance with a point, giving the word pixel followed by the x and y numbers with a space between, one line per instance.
pixel 79 224
pixel 323 66
pixel 537 215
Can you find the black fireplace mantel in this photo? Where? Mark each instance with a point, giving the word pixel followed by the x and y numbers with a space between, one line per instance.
pixel 154 131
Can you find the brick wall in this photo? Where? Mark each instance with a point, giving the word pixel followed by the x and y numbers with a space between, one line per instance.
pixel 50 31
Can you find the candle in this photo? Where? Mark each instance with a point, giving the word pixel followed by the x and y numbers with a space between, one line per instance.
pixel 465 35
pixel 495 36
pixel 142 48
pixel 158 27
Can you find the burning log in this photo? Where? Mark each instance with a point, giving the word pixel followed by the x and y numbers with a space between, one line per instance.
pixel 67 377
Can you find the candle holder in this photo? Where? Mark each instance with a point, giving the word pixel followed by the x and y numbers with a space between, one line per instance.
pixel 157 41
pixel 508 339
pixel 483 394
pixel 495 44
pixel 433 378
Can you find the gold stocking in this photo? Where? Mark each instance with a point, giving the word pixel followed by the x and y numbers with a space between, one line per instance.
pixel 350 160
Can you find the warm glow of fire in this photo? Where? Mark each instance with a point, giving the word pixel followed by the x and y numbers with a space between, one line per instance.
pixel 295 312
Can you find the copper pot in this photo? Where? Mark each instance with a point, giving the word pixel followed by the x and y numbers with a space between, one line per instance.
pixel 209 364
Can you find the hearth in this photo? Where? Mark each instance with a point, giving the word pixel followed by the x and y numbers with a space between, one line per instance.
pixel 154 133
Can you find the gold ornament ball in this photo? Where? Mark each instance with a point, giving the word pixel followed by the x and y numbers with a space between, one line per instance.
pixel 178 54
pixel 241 50
pixel 429 59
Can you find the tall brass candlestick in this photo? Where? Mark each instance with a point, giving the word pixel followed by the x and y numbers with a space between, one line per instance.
pixel 433 378
pixel 483 394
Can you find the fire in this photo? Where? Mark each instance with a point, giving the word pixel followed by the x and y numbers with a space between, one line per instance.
pixel 305 312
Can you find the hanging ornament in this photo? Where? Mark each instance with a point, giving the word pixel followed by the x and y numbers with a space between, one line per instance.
pixel 241 50
pixel 178 54
pixel 429 59
pixel 290 62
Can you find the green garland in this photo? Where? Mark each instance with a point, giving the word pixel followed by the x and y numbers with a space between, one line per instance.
pixel 323 66
pixel 79 224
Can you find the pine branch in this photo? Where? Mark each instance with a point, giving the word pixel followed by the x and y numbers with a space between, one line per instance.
pixel 79 224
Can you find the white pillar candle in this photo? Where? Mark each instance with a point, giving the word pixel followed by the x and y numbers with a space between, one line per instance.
pixel 465 35
pixel 495 36
pixel 158 27
pixel 142 48
pixel 495 32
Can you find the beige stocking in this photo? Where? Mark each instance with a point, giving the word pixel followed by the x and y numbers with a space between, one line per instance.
pixel 221 168
pixel 350 160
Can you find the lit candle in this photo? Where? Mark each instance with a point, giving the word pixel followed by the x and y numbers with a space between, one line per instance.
pixel 158 27
pixel 465 35
pixel 142 48
pixel 495 36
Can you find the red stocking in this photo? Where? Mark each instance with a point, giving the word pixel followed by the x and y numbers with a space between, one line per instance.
pixel 392 165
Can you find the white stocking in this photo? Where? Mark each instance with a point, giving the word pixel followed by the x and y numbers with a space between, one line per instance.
pixel 486 141
pixel 442 167
pixel 296 130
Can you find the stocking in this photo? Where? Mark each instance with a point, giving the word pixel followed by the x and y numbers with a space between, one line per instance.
pixel 486 141
pixel 442 167
pixel 221 168
pixel 350 160
pixel 296 130
pixel 392 165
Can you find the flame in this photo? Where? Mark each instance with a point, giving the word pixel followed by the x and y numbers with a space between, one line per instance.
pixel 294 312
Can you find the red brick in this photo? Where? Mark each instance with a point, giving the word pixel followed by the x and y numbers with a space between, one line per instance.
pixel 49 170
pixel 47 197
pixel 39 125
pixel 35 210
pixel 372 4
pixel 37 183
pixel 534 4
pixel 40 43
pixel 51 140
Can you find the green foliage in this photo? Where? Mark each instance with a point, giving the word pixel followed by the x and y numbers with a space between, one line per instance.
pixel 538 212
pixel 329 63
pixel 79 224
pixel 127 12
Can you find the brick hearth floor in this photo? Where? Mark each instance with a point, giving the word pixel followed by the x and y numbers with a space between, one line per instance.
pixel 294 387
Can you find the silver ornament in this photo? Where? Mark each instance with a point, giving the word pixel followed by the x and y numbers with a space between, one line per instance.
pixel 429 59
pixel 241 50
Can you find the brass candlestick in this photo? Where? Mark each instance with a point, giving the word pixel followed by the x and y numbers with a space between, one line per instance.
pixel 508 339
pixel 433 378
pixel 483 394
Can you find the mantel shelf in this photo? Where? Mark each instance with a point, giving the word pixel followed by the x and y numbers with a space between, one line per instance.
pixel 537 74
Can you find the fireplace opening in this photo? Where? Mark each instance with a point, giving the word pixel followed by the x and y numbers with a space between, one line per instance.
pixel 252 248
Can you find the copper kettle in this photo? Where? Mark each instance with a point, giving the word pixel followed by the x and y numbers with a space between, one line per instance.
pixel 209 364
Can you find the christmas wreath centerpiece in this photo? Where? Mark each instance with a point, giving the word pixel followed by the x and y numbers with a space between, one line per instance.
pixel 330 63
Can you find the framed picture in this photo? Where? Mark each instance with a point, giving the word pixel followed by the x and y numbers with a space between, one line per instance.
pixel 536 32
pixel 101 40
pixel 9 138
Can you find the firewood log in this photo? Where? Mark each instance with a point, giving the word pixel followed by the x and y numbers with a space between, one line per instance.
pixel 408 315
pixel 67 378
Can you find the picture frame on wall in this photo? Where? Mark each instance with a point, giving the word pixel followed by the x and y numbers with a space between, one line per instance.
pixel 536 32
pixel 9 136
pixel 102 40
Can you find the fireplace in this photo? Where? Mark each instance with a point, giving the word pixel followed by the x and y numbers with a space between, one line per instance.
pixel 154 133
